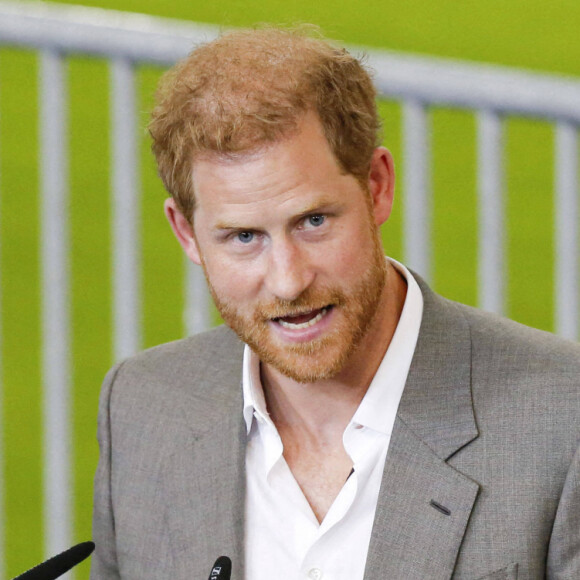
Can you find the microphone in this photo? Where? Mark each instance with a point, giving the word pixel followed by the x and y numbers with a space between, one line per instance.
pixel 61 563
pixel 222 569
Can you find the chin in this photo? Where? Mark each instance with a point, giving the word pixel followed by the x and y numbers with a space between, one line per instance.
pixel 308 362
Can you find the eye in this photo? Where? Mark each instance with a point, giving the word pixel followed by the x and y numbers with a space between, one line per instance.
pixel 316 220
pixel 245 237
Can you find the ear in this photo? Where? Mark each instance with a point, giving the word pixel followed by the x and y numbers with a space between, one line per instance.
pixel 382 184
pixel 183 231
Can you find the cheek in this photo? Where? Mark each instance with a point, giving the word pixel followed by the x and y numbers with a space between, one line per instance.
pixel 349 254
pixel 231 282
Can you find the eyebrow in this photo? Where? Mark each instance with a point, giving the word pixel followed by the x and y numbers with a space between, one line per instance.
pixel 320 205
pixel 230 226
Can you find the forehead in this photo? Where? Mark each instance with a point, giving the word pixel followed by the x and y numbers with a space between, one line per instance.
pixel 292 172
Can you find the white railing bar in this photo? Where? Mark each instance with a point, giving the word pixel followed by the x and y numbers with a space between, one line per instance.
pixel 55 304
pixel 197 312
pixel 417 184
pixel 2 470
pixel 101 32
pixel 445 82
pixel 491 235
pixel 158 40
pixel 566 232
pixel 126 211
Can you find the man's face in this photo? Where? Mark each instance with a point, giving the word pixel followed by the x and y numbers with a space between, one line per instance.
pixel 290 249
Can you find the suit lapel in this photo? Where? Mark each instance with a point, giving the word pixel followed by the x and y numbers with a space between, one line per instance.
pixel 206 486
pixel 204 478
pixel 425 504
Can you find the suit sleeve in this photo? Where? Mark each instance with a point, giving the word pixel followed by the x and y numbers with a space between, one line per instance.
pixel 104 560
pixel 564 550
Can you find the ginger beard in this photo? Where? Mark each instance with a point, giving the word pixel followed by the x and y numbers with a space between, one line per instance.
pixel 322 358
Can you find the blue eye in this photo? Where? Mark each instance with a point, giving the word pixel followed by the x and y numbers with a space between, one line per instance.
pixel 245 237
pixel 316 220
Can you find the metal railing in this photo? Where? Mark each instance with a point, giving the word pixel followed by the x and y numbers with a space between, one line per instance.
pixel 127 40
pixel 494 93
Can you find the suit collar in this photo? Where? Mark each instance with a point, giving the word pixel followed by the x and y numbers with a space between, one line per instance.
pixel 412 538
pixel 204 478
pixel 437 404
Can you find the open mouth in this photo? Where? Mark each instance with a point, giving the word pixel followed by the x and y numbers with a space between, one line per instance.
pixel 304 320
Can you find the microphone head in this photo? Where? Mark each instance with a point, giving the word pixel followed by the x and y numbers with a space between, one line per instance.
pixel 222 569
pixel 59 564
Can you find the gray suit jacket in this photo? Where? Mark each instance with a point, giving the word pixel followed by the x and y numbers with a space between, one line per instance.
pixel 482 478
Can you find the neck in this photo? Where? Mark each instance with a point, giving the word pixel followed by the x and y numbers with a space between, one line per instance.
pixel 320 411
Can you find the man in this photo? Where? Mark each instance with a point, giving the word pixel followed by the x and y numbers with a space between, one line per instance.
pixel 380 431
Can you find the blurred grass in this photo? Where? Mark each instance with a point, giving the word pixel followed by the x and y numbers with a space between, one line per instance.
pixel 91 265
pixel 20 312
pixel 163 283
pixel 524 33
pixel 530 34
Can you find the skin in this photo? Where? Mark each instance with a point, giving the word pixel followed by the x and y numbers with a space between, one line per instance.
pixel 283 231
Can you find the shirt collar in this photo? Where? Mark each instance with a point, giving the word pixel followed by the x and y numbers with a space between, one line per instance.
pixel 254 401
pixel 379 406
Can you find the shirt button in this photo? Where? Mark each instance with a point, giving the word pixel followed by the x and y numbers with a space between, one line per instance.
pixel 315 574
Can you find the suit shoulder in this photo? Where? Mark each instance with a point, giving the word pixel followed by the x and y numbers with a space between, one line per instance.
pixel 524 372
pixel 212 347
pixel 209 361
pixel 495 335
pixel 499 334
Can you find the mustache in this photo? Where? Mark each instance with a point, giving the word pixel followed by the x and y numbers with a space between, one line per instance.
pixel 309 301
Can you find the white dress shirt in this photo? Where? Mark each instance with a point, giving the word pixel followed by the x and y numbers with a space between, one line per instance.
pixel 284 540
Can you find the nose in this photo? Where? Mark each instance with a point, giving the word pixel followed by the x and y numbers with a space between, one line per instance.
pixel 289 270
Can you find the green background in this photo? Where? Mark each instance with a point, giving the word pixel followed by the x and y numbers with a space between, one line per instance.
pixel 533 34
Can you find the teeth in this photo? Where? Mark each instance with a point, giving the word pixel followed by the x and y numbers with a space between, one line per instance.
pixel 303 324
